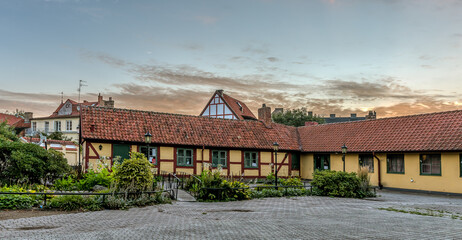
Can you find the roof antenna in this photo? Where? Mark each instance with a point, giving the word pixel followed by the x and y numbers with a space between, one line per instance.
pixel 62 97
pixel 81 84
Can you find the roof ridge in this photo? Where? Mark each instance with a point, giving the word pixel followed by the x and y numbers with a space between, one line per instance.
pixel 164 113
pixel 386 118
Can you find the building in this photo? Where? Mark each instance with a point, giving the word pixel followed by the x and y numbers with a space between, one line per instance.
pixel 65 118
pixel 353 117
pixel 419 152
pixel 224 106
pixel 20 124
pixel 68 148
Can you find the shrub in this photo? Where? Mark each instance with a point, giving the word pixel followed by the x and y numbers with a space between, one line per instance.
pixel 29 163
pixel 65 184
pixel 91 179
pixel 16 201
pixel 134 174
pixel 337 184
pixel 292 181
pixel 75 202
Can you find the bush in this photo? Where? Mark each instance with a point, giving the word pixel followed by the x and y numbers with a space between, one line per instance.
pixel 75 202
pixel 292 181
pixel 28 163
pixel 337 184
pixel 134 174
pixel 91 179
pixel 16 201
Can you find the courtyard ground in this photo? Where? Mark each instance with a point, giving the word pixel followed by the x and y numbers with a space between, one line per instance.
pixel 392 215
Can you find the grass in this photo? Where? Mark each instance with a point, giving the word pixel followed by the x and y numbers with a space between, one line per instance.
pixel 424 212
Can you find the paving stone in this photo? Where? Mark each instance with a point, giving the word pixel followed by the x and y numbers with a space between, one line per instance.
pixel 271 218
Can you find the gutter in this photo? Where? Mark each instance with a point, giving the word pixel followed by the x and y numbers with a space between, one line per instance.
pixel 378 171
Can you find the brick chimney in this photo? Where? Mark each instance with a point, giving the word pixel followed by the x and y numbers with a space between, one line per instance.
pixel 264 115
pixel 220 92
pixel 109 103
pixel 100 100
pixel 28 116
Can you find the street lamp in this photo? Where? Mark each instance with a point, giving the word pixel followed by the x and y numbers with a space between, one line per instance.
pixel 344 151
pixel 147 140
pixel 276 148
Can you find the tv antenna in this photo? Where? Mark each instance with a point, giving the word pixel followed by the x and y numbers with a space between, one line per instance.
pixel 62 97
pixel 81 84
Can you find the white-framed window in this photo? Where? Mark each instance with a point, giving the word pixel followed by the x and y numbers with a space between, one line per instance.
pixel 47 127
pixel 57 126
pixel 34 126
pixel 69 125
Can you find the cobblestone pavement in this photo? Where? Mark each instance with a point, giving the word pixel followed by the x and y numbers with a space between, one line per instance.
pixel 271 218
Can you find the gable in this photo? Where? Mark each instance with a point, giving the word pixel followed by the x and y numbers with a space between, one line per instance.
pixel 217 108
pixel 66 108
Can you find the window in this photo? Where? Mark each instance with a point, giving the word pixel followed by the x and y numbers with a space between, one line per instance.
pixel 295 161
pixel 150 153
pixel 34 126
pixel 47 127
pixel 250 160
pixel 218 157
pixel 321 162
pixel 430 164
pixel 69 125
pixel 57 126
pixel 367 160
pixel 395 163
pixel 184 157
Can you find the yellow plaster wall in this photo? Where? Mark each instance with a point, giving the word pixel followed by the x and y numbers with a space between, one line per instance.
pixel 185 170
pixel 134 148
pixel 166 153
pixel 449 181
pixel 265 157
pixel 284 171
pixel 306 166
pixel 265 169
pixel 235 156
pixel 235 169
pixel 250 172
pixel 106 151
pixel 166 166
pixel 199 154
pixel 295 173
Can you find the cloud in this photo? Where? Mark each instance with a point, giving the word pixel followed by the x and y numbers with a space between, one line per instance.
pixel 272 59
pixel 207 20
pixel 261 49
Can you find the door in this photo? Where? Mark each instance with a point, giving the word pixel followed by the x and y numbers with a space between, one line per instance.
pixel 321 162
pixel 121 151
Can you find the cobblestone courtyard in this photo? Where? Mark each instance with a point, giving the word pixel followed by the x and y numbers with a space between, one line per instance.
pixel 271 218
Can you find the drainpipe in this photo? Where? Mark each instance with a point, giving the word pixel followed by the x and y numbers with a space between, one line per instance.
pixel 378 171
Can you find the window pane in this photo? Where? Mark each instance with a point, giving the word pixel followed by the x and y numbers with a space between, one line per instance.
pixel 213 109
pixel 220 109
pixel 188 153
pixel 206 112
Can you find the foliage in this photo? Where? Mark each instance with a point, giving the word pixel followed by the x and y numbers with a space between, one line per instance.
pixel 29 163
pixel 296 117
pixel 75 202
pixel 337 184
pixel 134 174
pixel 7 132
pixel 8 201
pixel 291 181
pixel 58 136
pixel 365 182
pixel 212 187
pixel 91 179
pixel 270 177
pixel 286 192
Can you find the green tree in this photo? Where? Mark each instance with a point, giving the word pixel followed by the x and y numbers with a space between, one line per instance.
pixel 58 136
pixel 26 162
pixel 296 117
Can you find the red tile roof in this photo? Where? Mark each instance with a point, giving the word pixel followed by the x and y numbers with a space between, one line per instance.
pixel 245 113
pixel 13 121
pixel 100 123
pixel 426 132
pixel 49 141
pixel 75 111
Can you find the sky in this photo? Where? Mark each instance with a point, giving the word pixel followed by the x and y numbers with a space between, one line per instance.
pixel 395 57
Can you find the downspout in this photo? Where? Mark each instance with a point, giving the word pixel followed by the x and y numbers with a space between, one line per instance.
pixel 378 170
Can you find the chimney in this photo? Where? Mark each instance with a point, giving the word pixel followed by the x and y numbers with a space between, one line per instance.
pixel 311 123
pixel 109 103
pixel 264 115
pixel 372 115
pixel 220 92
pixel 332 115
pixel 28 116
pixel 100 100
pixel 353 115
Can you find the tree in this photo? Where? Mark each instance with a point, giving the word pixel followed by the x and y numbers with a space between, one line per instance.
pixel 26 162
pixel 58 136
pixel 296 117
